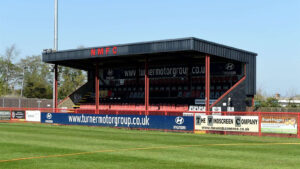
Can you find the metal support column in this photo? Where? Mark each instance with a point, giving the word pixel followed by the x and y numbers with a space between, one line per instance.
pixel 298 132
pixel 207 82
pixel 146 86
pixel 97 87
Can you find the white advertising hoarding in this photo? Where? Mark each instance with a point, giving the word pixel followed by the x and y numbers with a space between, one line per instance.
pixel 227 123
pixel 33 115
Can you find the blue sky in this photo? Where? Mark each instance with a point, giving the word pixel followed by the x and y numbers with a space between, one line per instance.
pixel 270 28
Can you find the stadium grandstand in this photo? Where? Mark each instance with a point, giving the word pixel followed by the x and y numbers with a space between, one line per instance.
pixel 178 74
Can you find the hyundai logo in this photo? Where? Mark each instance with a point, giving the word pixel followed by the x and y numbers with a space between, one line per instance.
pixel 179 120
pixel 229 66
pixel 49 116
pixel 110 72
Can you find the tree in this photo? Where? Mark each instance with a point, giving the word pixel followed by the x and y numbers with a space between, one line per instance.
pixel 37 87
pixel 71 80
pixel 272 102
pixel 262 100
pixel 37 78
pixel 9 72
pixel 4 90
pixel 1 87
pixel 33 77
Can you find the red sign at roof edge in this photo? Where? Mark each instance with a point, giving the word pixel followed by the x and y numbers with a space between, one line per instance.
pixel 104 51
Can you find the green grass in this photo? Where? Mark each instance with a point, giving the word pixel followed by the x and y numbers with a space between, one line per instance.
pixel 20 140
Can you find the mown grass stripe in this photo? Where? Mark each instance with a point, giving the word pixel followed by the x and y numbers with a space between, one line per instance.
pixel 147 148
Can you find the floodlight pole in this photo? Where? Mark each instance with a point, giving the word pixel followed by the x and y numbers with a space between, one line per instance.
pixel 55 49
pixel 55 24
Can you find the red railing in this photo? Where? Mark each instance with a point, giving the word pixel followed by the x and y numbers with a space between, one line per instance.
pixel 283 118
pixel 53 110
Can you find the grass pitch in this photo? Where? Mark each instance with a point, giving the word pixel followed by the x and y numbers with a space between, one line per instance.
pixel 25 145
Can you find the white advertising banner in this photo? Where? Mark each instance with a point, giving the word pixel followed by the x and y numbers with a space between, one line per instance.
pixel 33 115
pixel 227 123
pixel 197 108
pixel 216 109
pixel 230 109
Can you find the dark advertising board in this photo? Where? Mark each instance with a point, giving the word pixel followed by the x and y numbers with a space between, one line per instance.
pixel 184 123
pixel 18 115
pixel 173 71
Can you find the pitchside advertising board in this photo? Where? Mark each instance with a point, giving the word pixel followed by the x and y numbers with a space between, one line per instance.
pixel 4 115
pixel 227 123
pixel 279 124
pixel 33 115
pixel 18 115
pixel 185 123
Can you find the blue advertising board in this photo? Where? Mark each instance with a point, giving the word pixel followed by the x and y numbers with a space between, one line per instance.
pixel 185 123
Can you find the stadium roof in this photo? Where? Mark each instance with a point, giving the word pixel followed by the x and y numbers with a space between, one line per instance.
pixel 170 46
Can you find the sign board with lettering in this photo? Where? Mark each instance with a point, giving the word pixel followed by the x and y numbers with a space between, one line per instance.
pixel 33 115
pixel 227 123
pixel 173 71
pixel 4 115
pixel 18 115
pixel 197 108
pixel 182 123
pixel 216 109
pixel 279 124
pixel 230 109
